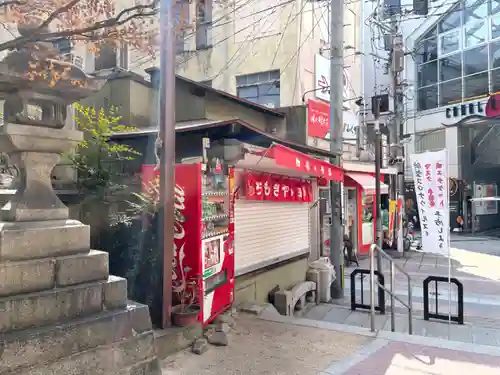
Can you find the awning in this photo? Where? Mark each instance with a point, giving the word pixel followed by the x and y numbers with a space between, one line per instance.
pixel 367 183
pixel 290 158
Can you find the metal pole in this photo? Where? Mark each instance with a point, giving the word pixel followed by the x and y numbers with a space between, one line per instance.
pixel 397 68
pixel 372 288
pixel 393 300
pixel 378 162
pixel 410 309
pixel 167 135
pixel 336 129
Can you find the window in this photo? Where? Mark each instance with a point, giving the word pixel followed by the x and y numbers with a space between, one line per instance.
pixel 427 50
pixel 181 19
pixel 450 92
pixel 203 24
pixel 63 45
pixel 428 97
pixel 110 56
pixel 457 59
pixel 476 60
pixel 450 67
pixel 262 88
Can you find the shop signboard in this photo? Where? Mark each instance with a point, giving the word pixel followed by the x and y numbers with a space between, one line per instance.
pixel 318 122
pixel 318 119
pixel 270 187
pixel 430 172
pixel 322 79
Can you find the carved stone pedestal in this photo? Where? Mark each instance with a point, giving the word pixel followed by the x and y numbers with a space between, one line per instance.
pixel 60 310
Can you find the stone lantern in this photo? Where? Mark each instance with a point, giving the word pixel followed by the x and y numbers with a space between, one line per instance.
pixel 62 313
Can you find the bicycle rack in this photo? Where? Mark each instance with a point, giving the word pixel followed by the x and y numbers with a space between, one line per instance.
pixel 459 318
pixel 381 292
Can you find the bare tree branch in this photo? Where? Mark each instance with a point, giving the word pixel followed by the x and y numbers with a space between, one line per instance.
pixel 122 18
pixel 57 12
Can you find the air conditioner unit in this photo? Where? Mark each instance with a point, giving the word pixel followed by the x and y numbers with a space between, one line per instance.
pixel 75 59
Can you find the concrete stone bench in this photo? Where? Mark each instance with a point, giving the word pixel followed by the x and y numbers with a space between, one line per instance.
pixel 286 301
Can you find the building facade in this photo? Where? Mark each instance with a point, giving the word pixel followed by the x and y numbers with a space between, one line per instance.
pixel 264 50
pixel 451 79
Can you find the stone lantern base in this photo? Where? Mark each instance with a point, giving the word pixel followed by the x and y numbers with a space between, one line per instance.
pixel 61 311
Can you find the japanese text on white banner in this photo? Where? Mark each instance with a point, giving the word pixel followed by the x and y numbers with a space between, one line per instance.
pixel 430 173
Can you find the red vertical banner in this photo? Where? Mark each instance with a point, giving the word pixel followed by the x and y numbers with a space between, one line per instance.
pixel 187 262
pixel 230 240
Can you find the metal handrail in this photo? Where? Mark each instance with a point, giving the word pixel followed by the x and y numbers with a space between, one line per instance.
pixel 391 292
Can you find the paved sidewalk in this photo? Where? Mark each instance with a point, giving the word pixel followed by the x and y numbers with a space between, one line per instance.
pixel 384 357
pixel 259 347
pixel 392 353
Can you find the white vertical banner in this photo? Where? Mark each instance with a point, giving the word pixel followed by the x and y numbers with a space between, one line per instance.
pixel 430 173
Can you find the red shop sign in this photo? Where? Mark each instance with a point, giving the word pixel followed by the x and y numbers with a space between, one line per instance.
pixel 269 187
pixel 318 119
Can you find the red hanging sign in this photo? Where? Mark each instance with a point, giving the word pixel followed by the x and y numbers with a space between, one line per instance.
pixel 269 187
pixel 318 119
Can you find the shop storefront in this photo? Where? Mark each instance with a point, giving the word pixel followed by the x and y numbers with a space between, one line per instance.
pixel 360 209
pixel 273 218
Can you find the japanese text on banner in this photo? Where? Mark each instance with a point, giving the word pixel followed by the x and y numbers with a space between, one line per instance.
pixel 431 188
pixel 269 187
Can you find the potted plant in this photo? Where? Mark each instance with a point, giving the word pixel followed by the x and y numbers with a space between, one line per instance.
pixel 187 310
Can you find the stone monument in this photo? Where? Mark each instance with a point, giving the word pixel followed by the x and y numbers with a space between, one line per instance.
pixel 60 310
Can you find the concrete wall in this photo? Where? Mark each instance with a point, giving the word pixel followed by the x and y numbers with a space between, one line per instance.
pixel 219 108
pixel 257 285
pixel 250 39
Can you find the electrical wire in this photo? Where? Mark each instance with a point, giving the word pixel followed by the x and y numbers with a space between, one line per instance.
pixel 297 51
pixel 198 52
pixel 247 39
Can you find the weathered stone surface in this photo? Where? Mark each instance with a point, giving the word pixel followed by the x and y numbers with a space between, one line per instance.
pixel 218 338
pixel 148 367
pixel 47 344
pixel 226 318
pixel 114 293
pixel 81 268
pixel 60 313
pixel 174 339
pixel 26 276
pixel 35 151
pixel 200 346
pixel 32 240
pixel 222 327
pixel 103 360
pixel 48 307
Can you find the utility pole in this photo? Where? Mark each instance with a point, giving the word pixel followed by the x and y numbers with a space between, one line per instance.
pixel 397 59
pixel 167 157
pixel 336 129
pixel 378 163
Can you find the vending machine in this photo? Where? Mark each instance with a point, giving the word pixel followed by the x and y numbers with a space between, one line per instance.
pixel 204 235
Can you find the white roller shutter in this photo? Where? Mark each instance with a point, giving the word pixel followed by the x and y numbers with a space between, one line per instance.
pixel 269 232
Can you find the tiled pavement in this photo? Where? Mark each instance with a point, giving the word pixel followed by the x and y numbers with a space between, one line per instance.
pixel 392 353
pixel 384 357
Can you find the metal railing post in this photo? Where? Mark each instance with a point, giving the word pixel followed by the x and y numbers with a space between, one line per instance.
pixel 392 291
pixel 372 287
pixel 410 309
